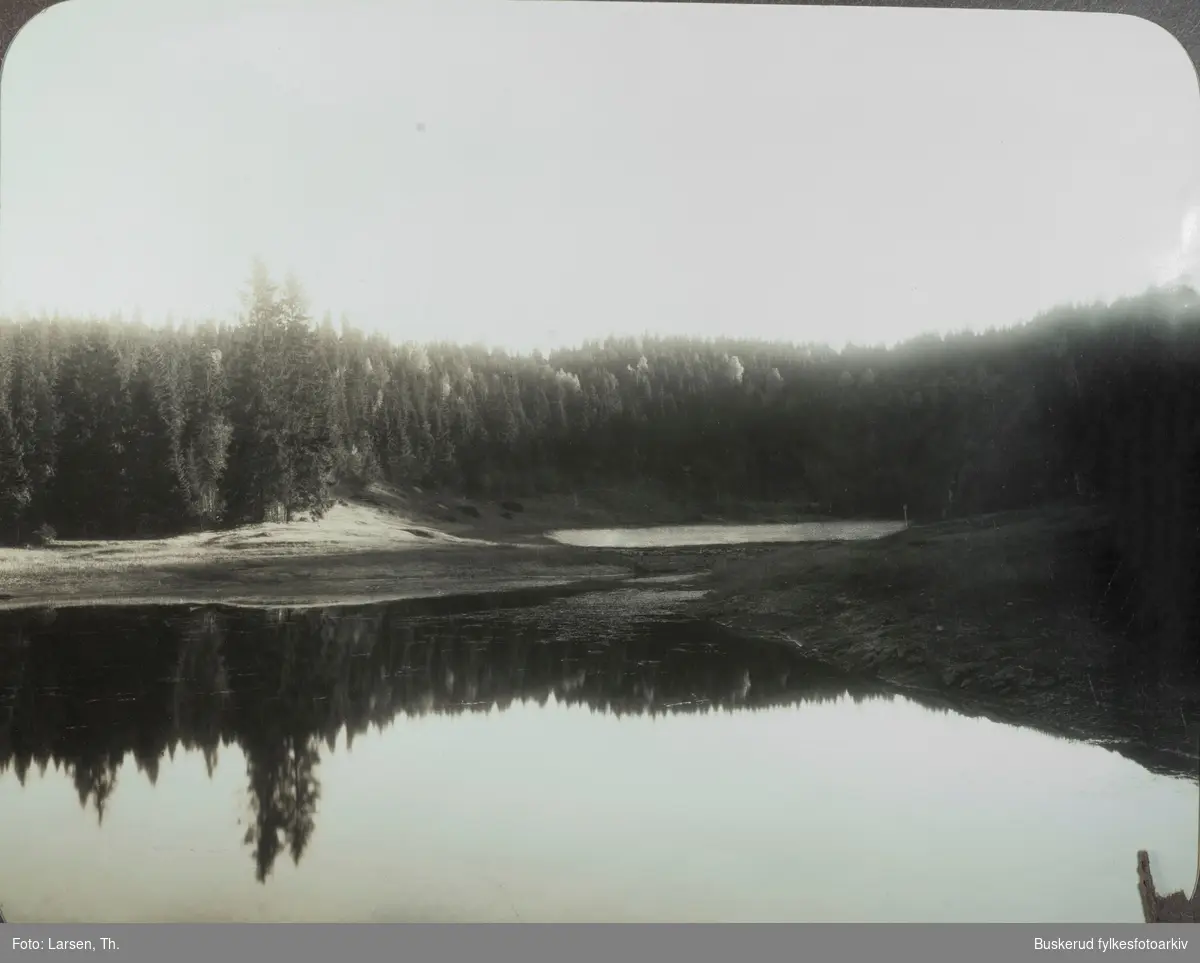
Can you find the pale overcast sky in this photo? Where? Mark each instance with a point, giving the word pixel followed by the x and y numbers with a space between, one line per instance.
pixel 527 174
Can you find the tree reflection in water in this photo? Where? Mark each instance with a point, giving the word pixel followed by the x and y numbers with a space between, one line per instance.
pixel 82 689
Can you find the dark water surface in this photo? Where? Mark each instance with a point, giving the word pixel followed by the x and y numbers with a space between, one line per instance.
pixel 533 757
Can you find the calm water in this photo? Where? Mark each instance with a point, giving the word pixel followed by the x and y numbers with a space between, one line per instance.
pixel 671 536
pixel 535 758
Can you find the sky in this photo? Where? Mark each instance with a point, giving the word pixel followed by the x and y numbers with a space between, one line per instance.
pixel 531 174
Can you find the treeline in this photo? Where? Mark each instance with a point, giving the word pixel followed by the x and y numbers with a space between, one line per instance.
pixel 115 428
pixel 181 680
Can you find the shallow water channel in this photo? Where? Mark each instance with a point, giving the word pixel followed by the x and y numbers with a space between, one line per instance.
pixel 675 536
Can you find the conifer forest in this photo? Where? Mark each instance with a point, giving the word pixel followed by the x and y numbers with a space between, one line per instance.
pixel 112 428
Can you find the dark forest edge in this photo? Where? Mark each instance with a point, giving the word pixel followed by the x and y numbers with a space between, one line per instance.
pixel 115 429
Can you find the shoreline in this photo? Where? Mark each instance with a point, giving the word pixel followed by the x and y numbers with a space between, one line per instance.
pixel 311 580
pixel 1051 711
pixel 950 616
pixel 968 615
pixel 375 544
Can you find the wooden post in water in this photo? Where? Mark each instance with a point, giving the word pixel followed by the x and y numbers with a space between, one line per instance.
pixel 1174 907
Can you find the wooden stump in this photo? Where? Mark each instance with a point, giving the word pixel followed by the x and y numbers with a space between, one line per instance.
pixel 1172 908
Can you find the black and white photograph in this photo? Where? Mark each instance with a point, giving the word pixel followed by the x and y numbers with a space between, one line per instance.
pixel 491 461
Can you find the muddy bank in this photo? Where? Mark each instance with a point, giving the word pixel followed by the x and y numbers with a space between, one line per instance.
pixel 269 567
pixel 992 617
pixel 1154 727
pixel 267 578
pixel 376 544
pixel 324 579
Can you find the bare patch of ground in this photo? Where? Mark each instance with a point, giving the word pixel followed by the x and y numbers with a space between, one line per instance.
pixel 204 563
pixel 377 542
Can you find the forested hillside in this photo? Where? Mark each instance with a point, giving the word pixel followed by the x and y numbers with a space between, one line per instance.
pixel 115 428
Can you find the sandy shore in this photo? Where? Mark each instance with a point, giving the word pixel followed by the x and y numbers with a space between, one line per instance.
pixel 381 544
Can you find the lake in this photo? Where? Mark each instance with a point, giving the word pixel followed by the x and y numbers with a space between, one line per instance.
pixel 675 536
pixel 541 757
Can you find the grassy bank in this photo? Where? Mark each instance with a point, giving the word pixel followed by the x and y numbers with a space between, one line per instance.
pixel 994 615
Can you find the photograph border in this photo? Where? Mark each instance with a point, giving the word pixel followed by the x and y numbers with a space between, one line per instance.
pixel 1180 18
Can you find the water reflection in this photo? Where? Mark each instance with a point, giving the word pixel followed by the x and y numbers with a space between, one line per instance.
pixel 84 689
pixel 574 758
